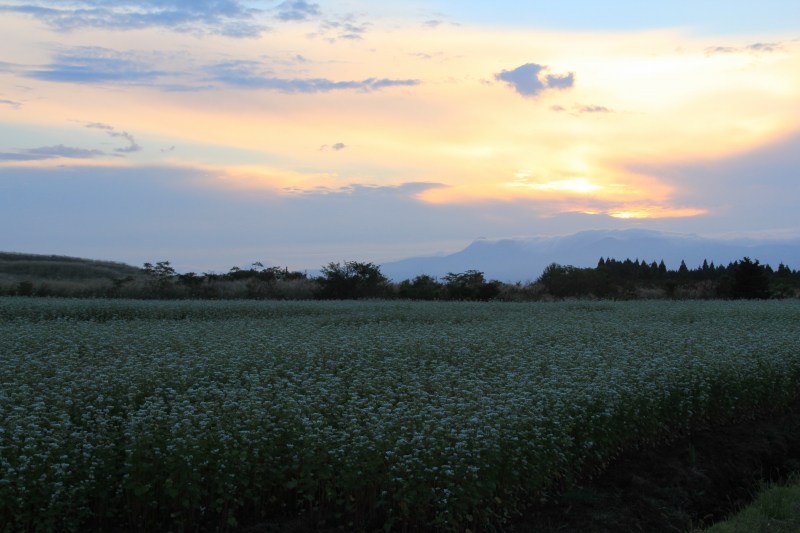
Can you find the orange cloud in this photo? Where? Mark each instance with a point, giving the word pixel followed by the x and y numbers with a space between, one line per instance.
pixel 655 212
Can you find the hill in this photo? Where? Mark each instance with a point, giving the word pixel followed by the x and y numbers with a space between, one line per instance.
pixel 34 267
pixel 513 260
pixel 56 275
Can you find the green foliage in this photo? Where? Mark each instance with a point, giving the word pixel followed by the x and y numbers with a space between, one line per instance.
pixel 775 510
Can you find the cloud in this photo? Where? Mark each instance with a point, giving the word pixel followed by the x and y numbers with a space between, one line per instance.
pixel 132 146
pixel 336 147
pixel 8 67
pixel 93 64
pixel 565 81
pixel 98 65
pixel 297 10
pixel 58 209
pixel 360 190
pixel 755 48
pixel 99 126
pixel 11 103
pixel 532 79
pixel 224 17
pixel 244 74
pixel 764 47
pixel 721 50
pixel 593 109
pixel 580 109
pixel 69 152
pixel 347 27
pixel 743 191
pixel 50 152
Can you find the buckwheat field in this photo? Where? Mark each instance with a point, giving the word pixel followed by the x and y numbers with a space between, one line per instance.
pixel 212 415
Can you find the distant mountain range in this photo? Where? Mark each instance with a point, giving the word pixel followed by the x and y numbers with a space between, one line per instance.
pixel 513 260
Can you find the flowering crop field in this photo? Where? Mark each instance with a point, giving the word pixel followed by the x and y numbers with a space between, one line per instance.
pixel 204 415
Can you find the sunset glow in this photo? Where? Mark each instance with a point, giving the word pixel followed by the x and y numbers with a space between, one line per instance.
pixel 311 106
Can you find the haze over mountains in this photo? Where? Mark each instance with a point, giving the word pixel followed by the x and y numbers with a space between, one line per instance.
pixel 513 260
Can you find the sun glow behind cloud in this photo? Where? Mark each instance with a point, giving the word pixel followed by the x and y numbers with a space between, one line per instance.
pixel 570 186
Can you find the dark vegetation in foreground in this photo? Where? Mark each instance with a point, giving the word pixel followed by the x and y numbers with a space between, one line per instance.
pixel 696 480
pixel 38 275
pixel 692 482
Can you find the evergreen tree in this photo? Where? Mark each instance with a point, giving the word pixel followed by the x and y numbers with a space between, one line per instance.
pixel 750 280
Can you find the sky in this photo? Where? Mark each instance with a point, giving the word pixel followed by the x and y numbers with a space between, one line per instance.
pixel 218 133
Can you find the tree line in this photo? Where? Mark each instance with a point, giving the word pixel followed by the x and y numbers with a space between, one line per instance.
pixel 742 279
pixel 610 279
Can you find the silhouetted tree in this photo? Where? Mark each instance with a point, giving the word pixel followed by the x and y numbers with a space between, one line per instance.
pixel 565 281
pixel 160 275
pixel 470 285
pixel 160 271
pixel 422 287
pixel 351 280
pixel 750 280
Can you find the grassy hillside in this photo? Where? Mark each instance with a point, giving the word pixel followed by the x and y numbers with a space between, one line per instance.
pixel 33 267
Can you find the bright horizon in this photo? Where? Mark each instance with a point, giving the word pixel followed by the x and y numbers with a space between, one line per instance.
pixel 295 133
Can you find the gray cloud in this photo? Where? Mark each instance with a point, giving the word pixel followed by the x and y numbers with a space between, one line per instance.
pixel 564 81
pixel 764 47
pixel 225 17
pixel 245 74
pixel 336 147
pixel 11 103
pixel 721 50
pixel 56 209
pixel 70 152
pixel 132 146
pixel 532 79
pixel 97 65
pixel 746 191
pixel 580 109
pixel 8 67
pixel 594 109
pixel 347 27
pixel 405 190
pixel 755 48
pixel 50 152
pixel 92 64
pixel 297 10
pixel 99 126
